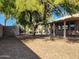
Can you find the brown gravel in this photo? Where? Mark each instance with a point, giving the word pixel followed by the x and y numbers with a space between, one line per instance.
pixel 58 49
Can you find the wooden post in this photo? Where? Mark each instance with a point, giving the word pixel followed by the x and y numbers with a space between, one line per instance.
pixel 53 29
pixel 64 30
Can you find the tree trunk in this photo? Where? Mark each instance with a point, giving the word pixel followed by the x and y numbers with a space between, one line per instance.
pixel 34 29
pixel 51 33
pixel 44 17
pixel 5 22
pixel 30 13
pixel 4 30
pixel 6 18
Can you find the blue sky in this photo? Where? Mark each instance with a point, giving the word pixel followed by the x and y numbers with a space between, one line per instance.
pixel 55 16
pixel 11 21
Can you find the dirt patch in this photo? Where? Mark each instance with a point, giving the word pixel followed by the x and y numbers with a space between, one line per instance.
pixel 58 49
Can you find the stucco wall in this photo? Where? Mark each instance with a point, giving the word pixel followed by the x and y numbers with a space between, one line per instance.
pixel 11 30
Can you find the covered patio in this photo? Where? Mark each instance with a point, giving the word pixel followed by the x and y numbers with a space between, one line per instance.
pixel 67 26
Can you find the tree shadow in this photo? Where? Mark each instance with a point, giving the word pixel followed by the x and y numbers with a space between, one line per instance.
pixel 73 39
pixel 69 39
pixel 32 37
pixel 13 48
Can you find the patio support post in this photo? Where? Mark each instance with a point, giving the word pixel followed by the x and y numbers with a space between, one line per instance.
pixel 64 29
pixel 53 29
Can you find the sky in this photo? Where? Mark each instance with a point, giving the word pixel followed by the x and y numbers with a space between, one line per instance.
pixel 10 22
pixel 55 16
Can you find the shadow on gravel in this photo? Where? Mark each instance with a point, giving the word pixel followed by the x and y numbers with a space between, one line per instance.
pixel 73 40
pixel 13 48
pixel 32 37
pixel 48 37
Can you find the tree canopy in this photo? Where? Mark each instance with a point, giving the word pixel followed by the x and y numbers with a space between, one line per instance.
pixel 31 12
pixel 7 7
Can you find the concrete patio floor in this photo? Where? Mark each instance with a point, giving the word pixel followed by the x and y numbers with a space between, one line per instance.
pixel 12 48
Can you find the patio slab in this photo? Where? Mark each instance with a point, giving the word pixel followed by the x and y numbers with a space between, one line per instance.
pixel 12 48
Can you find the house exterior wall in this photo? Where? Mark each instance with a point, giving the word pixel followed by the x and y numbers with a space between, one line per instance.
pixel 11 30
pixel 1 31
pixel 77 25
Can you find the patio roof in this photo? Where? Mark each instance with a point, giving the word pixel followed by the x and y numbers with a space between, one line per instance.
pixel 68 18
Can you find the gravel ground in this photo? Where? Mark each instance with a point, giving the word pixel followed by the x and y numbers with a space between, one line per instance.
pixel 12 48
pixel 58 49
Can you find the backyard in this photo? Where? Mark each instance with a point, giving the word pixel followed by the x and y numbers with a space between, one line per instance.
pixel 39 29
pixel 53 49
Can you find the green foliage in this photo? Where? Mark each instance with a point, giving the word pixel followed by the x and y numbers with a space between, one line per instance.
pixel 36 17
pixel 71 6
pixel 7 8
pixel 32 9
pixel 32 5
pixel 28 18
pixel 28 12
pixel 1 4
pixel 22 20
